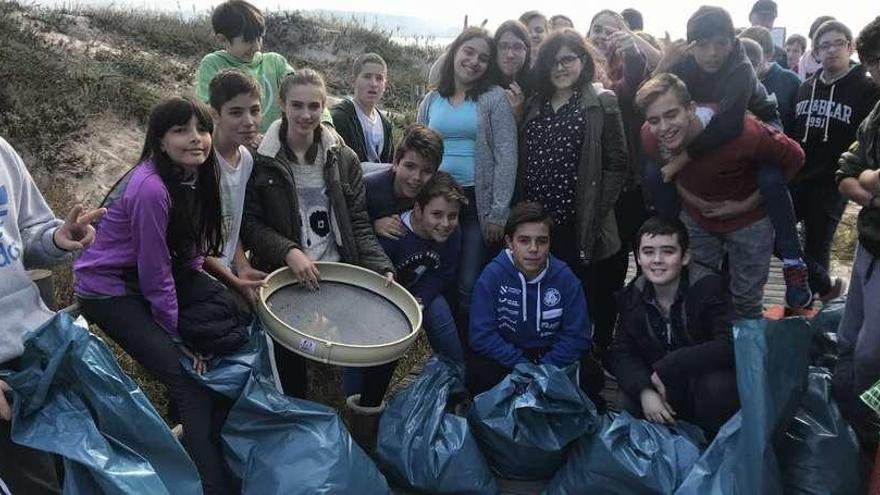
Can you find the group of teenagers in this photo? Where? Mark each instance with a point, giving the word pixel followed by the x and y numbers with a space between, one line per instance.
pixel 539 161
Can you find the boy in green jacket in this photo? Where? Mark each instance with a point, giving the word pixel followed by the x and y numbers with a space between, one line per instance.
pixel 240 27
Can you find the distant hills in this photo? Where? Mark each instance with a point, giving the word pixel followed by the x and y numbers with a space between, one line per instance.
pixel 399 26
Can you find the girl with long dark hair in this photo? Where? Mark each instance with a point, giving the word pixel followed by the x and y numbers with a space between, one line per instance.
pixel 573 161
pixel 479 137
pixel 163 217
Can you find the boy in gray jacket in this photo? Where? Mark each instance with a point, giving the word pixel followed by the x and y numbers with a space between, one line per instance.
pixel 30 235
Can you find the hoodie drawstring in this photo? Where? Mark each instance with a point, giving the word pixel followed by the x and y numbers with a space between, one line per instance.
pixel 809 111
pixel 538 310
pixel 525 311
pixel 828 112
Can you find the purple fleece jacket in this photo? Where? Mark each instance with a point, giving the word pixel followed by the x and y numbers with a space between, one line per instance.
pixel 130 254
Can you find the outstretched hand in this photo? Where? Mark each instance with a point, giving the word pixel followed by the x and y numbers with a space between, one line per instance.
pixel 482 24
pixel 624 42
pixel 673 52
pixel 77 232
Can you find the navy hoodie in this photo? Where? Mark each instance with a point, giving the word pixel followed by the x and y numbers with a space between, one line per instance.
pixel 423 266
pixel 783 84
pixel 510 314
pixel 827 117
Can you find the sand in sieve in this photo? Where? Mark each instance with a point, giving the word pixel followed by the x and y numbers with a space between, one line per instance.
pixel 340 313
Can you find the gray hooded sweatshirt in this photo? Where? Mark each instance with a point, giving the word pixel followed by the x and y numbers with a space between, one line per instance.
pixel 27 226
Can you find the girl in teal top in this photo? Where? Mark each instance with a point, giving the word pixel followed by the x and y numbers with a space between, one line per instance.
pixel 458 126
pixel 479 136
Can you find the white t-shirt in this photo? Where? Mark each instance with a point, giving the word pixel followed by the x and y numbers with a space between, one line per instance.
pixel 233 181
pixel 318 239
pixel 374 133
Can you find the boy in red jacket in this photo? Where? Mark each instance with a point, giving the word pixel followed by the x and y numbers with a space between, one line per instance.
pixel 722 206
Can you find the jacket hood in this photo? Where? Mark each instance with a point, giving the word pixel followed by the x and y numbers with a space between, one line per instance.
pixel 271 144
pixel 841 86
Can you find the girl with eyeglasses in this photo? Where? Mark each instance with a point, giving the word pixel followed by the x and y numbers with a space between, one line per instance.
pixel 513 62
pixel 574 161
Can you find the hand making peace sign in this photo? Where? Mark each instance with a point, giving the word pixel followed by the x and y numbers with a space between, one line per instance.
pixel 77 232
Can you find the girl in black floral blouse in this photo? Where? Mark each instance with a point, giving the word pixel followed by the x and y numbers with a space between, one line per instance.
pixel 573 160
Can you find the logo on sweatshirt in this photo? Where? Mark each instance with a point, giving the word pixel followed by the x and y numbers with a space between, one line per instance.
pixel 819 110
pixel 4 204
pixel 551 297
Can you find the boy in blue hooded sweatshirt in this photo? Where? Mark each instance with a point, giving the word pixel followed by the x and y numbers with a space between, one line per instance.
pixel 528 306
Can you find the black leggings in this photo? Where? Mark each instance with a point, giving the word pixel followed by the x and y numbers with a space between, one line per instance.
pixel 129 322
pixel 600 280
pixel 291 369
pixel 25 470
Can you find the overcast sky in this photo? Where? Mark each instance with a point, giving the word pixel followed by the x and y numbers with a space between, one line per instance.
pixel 660 16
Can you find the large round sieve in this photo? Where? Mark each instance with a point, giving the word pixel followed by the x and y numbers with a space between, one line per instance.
pixel 353 320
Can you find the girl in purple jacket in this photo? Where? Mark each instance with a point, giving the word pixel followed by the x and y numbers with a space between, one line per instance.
pixel 163 216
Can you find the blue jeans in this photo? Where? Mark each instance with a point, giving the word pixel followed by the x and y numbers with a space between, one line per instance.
pixel 442 335
pixel 441 330
pixel 859 331
pixel 859 336
pixel 748 250
pixel 774 191
pixel 471 259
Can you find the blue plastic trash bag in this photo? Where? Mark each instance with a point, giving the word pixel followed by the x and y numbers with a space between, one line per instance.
pixel 526 423
pixel 629 456
pixel 229 374
pixel 424 447
pixel 278 444
pixel 820 454
pixel 771 367
pixel 72 399
pixel 715 472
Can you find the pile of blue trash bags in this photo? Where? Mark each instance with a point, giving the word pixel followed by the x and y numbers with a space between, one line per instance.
pixel 536 424
pixel 72 399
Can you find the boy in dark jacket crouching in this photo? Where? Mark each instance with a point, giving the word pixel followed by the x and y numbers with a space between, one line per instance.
pixel 672 352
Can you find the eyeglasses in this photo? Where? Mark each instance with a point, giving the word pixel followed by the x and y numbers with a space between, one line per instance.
pixel 566 61
pixel 828 46
pixel 512 47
